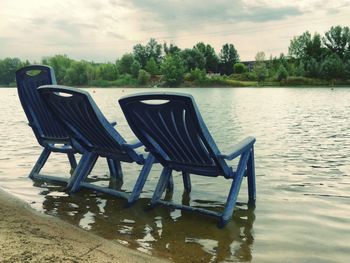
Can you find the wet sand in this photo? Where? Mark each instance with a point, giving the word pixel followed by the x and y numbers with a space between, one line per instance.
pixel 29 236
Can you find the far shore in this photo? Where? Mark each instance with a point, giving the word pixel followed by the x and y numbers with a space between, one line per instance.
pixel 29 236
pixel 261 85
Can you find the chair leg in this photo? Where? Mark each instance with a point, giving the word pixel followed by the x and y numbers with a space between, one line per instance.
pixel 141 180
pixel 233 194
pixel 115 184
pixel 251 179
pixel 186 198
pixel 115 169
pixel 40 162
pixel 170 185
pixel 72 161
pixel 162 183
pixel 187 181
pixel 83 169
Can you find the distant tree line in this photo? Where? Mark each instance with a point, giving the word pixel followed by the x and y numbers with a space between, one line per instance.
pixel 309 56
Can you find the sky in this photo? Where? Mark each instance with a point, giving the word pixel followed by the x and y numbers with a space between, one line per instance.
pixel 104 30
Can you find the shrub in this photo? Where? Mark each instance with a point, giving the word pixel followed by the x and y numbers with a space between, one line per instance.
pixel 312 68
pixel 143 77
pixel 125 80
pixel 152 66
pixel 239 68
pixel 332 67
pixel 135 67
pixel 281 73
pixel 107 71
pixel 246 76
pixel 197 75
pixel 173 70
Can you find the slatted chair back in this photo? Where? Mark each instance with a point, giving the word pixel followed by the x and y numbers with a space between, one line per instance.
pixel 44 124
pixel 172 129
pixel 78 111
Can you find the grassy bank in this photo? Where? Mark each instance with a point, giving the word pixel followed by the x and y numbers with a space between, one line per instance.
pixel 217 81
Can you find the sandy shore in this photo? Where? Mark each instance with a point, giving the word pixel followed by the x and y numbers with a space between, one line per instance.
pixel 29 236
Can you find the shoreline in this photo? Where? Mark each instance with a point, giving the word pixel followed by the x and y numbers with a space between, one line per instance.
pixel 302 86
pixel 30 236
pixel 213 87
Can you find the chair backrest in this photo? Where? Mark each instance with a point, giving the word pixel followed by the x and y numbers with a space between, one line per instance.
pixel 43 123
pixel 78 111
pixel 172 129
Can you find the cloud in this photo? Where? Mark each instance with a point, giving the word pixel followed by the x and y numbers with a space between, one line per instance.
pixel 179 14
pixel 102 29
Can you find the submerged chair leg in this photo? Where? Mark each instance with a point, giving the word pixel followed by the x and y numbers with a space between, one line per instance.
pixel 170 185
pixel 141 180
pixel 40 162
pixel 251 179
pixel 186 198
pixel 72 161
pixel 115 169
pixel 83 169
pixel 187 181
pixel 234 190
pixel 162 183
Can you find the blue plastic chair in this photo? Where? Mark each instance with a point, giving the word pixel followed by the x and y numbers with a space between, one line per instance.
pixel 49 133
pixel 172 129
pixel 88 126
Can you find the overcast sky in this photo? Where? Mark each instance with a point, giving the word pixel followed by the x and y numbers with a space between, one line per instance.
pixel 103 30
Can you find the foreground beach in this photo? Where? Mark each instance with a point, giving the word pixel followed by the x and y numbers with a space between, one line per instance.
pixel 29 236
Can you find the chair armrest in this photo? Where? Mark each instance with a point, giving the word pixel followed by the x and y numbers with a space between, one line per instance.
pixel 239 148
pixel 133 144
pixel 113 123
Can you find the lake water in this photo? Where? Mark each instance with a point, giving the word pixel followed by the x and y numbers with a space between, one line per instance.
pixel 302 153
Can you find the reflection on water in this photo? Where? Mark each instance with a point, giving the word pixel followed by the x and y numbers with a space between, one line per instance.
pixel 179 235
pixel 302 168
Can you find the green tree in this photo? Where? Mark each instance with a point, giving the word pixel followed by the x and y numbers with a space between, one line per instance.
pixel 192 59
pixel 337 40
pixel 60 64
pixel 135 69
pixel 228 57
pixel 239 68
pixel 259 67
pixel 173 70
pixel 211 59
pixel 282 73
pixel 144 77
pixel 91 72
pixel 140 54
pixel 144 53
pixel 347 70
pixel 172 49
pixel 152 67
pixel 154 50
pixel 107 71
pixel 300 69
pixel 332 67
pixel 8 68
pixel 198 76
pixel 305 47
pixel 125 63
pixel 77 73
pixel 275 69
pixel 312 68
